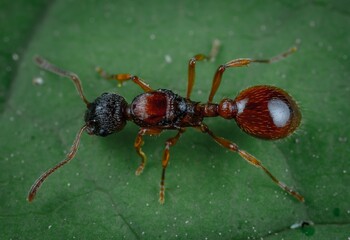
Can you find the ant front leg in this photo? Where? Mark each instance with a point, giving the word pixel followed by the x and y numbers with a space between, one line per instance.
pixel 169 143
pixel 124 77
pixel 138 144
pixel 192 65
pixel 250 159
pixel 240 62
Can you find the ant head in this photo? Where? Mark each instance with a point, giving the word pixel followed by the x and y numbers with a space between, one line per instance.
pixel 106 115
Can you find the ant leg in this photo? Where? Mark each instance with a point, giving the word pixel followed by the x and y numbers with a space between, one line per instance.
pixel 250 159
pixel 138 144
pixel 192 72
pixel 124 77
pixel 240 62
pixel 192 65
pixel 169 143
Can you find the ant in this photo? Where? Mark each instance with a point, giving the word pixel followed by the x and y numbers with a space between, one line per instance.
pixel 263 111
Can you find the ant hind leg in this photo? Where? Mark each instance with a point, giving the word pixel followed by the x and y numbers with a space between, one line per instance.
pixel 240 62
pixel 250 159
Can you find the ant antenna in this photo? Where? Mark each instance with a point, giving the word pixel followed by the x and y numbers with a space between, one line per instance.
pixel 46 65
pixel 70 156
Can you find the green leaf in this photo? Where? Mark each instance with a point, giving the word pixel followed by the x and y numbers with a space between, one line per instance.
pixel 210 193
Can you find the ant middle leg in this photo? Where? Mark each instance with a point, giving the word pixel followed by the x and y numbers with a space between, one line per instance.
pixel 192 65
pixel 192 72
pixel 240 62
pixel 122 77
pixel 138 144
pixel 250 159
pixel 165 160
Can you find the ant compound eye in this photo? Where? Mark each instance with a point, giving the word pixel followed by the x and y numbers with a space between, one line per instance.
pixel 267 112
pixel 106 115
pixel 91 126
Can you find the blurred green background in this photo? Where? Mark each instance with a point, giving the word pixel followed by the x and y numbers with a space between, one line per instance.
pixel 211 193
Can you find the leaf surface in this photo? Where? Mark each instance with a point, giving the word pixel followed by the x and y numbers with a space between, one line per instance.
pixel 211 193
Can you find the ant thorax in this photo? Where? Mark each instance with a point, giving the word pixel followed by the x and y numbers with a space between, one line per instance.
pixel 164 109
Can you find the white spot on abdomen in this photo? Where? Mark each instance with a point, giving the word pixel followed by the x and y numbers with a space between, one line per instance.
pixel 241 105
pixel 279 112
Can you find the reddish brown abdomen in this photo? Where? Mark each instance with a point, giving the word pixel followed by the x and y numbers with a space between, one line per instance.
pixel 267 112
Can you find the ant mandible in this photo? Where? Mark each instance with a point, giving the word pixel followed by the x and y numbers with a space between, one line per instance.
pixel 263 111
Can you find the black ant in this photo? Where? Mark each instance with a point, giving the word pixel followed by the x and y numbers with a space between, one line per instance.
pixel 264 111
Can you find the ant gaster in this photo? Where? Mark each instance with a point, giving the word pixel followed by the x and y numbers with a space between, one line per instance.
pixel 263 111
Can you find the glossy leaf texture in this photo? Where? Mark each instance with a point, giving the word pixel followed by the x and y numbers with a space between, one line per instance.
pixel 211 193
